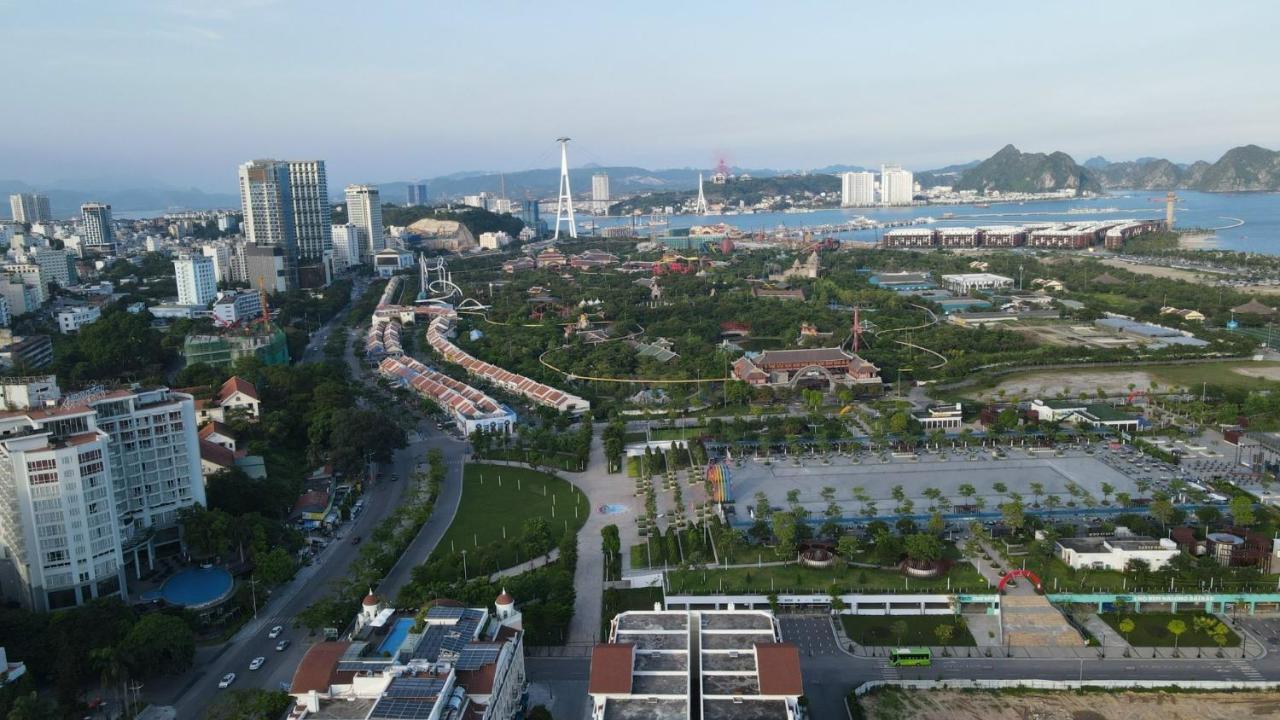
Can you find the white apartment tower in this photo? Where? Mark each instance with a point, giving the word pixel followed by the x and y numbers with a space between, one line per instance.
pixel 59 531
pixel 89 485
pixel 98 230
pixel 197 280
pixel 896 185
pixel 364 210
pixel 30 207
pixel 857 189
pixel 220 253
pixel 600 193
pixel 346 246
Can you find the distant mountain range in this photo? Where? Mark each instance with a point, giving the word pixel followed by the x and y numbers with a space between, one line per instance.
pixel 1240 169
pixel 1011 170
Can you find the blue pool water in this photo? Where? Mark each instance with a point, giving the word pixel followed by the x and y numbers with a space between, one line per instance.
pixel 194 587
pixel 399 631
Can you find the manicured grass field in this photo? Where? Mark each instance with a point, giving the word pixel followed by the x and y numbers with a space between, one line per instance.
pixel 495 497
pixel 1152 630
pixel 795 578
pixel 919 630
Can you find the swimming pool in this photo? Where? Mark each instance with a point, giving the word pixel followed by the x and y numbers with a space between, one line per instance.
pixel 194 588
pixel 391 643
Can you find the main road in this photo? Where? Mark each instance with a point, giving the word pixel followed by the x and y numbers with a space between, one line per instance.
pixel 195 690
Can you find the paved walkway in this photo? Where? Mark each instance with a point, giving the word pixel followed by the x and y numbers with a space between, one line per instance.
pixel 526 566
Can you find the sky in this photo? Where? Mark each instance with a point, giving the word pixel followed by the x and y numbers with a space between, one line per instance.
pixel 179 92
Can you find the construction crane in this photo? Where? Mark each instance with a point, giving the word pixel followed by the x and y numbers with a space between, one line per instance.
pixel 1170 200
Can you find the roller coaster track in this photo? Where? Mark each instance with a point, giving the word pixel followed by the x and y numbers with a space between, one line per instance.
pixel 933 320
pixel 925 349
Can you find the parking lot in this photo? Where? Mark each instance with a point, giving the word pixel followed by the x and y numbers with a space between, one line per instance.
pixel 991 476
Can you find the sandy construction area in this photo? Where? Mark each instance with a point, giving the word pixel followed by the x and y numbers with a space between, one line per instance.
pixel 955 705
pixel 1266 372
pixel 1049 384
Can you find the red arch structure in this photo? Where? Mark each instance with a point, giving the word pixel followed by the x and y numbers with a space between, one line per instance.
pixel 1019 573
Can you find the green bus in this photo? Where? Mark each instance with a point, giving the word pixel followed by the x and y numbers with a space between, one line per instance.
pixel 904 657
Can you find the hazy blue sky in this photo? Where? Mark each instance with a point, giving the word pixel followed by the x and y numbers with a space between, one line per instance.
pixel 181 91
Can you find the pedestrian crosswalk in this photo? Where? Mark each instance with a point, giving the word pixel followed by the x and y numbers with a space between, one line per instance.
pixel 1248 670
pixel 888 672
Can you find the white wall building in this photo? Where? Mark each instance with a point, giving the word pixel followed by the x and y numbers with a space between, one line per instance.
pixel 346 246
pixel 19 297
pixel 364 210
pixel 59 532
pixel 197 283
pixel 600 193
pixel 33 275
pixel 72 319
pixel 962 283
pixel 220 253
pixel 268 211
pixel 494 240
pixel 858 189
pixel 233 307
pixel 98 231
pixel 896 185
pixel 1115 553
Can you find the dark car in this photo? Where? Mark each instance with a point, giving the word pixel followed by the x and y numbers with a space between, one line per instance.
pixel 355 539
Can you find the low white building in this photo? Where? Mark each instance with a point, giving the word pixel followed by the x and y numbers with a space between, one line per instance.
pixel 233 307
pixel 962 283
pixel 1115 553
pixel 939 417
pixel 494 240
pixel 390 261
pixel 72 319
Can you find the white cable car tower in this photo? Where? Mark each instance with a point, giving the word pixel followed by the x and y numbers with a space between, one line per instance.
pixel 564 205
pixel 701 206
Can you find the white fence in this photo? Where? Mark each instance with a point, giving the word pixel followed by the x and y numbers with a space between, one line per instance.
pixel 964 684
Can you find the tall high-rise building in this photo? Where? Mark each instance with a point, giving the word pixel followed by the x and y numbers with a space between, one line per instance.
pixel 220 253
pixel 364 210
pixel 312 218
pixel 600 193
pixel 197 282
pixel 897 186
pixel 286 205
pixel 857 189
pixel 417 194
pixel 530 213
pixel 99 233
pixel 89 485
pixel 346 246
pixel 30 207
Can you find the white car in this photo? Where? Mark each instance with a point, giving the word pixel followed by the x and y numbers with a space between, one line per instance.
pixel 226 681
pixel 275 632
pixel 257 662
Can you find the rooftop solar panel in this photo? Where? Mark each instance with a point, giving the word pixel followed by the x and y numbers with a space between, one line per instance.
pixel 474 657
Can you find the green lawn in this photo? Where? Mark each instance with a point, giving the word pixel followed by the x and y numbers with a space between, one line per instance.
pixel 616 601
pixel 919 630
pixel 489 505
pixel 794 578
pixel 1152 630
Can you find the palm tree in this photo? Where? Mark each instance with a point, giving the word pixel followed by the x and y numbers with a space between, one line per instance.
pixel 1037 489
pixel 1052 502
pixel 1107 488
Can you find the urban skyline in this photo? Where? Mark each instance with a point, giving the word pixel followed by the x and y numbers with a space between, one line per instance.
pixel 1108 99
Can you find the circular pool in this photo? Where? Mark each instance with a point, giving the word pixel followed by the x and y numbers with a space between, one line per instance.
pixel 195 588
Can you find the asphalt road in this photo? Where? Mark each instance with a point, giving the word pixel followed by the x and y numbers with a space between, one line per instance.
pixel 195 690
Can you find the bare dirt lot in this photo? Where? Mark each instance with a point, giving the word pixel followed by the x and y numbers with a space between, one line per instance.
pixel 1266 372
pixel 1064 705
pixel 1073 382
